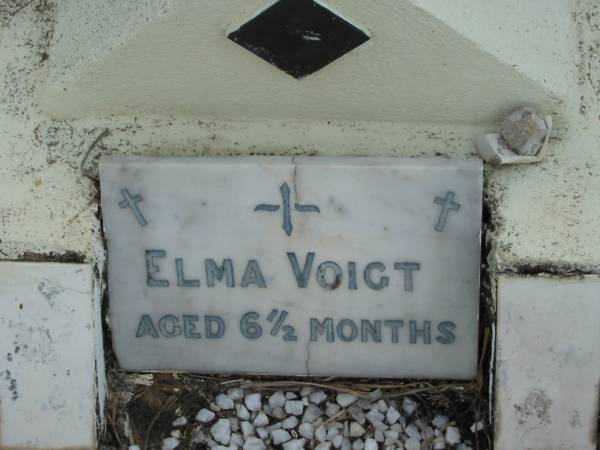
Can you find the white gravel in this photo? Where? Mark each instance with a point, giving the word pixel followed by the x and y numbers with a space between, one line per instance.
pixel 371 444
pixel 356 430
pixel 277 400
pixel 253 443
pixel 247 429
pixel 345 399
pixel 221 431
pixel 392 415
pixel 332 432
pixel 412 431
pixel 323 446
pixel 242 412
pixel 290 422
pixel 235 394
pixel 317 397
pixel 413 444
pixel 294 407
pixel 205 416
pixel 180 422
pixel 236 440
pixel 307 430
pixel 321 433
pixel 294 444
pixel 452 435
pixel 439 443
pixel 224 402
pixel 253 402
pixel 280 436
pixel 358 444
pixel 312 413
pixel 170 443
pixel 261 420
pixel 262 433
pixel 311 419
pixel 409 406
pixel 440 422
pixel 337 441
pixel 331 409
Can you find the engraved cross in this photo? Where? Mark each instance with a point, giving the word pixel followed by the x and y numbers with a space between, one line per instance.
pixel 131 201
pixel 287 216
pixel 448 204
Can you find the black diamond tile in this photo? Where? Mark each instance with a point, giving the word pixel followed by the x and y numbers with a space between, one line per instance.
pixel 298 36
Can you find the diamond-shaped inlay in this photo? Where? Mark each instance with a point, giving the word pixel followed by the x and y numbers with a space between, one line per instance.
pixel 298 36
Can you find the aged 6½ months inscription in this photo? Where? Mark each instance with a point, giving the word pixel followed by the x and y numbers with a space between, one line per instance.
pixel 294 266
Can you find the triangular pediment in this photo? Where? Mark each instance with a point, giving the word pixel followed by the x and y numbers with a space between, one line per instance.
pixel 176 59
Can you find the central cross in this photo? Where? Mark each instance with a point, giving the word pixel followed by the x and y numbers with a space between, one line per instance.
pixel 287 215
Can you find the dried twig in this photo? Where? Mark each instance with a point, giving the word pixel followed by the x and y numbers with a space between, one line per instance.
pixel 484 346
pixel 114 406
pixel 101 136
pixel 333 387
pixel 165 406
pixel 335 416
pixel 22 7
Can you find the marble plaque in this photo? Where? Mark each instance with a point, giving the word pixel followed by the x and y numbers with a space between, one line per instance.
pixel 294 266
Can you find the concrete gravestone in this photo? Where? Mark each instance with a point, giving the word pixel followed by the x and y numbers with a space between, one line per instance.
pixel 294 266
pixel 49 356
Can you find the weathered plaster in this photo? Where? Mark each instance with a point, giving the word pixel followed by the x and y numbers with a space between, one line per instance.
pixel 547 214
pixel 45 206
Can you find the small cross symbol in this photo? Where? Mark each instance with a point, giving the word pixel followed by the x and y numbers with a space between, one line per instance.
pixel 448 204
pixel 130 201
pixel 287 217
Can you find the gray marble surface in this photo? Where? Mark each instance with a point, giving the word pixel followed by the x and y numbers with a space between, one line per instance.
pixel 327 266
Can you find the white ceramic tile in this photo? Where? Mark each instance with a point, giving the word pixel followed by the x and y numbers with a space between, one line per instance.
pixel 548 363
pixel 47 356
pixel 352 210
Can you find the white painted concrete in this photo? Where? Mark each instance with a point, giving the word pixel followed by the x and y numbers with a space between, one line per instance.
pixel 548 363
pixel 537 36
pixel 415 68
pixel 48 348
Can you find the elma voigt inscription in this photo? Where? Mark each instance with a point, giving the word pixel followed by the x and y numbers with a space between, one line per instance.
pixel 329 275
